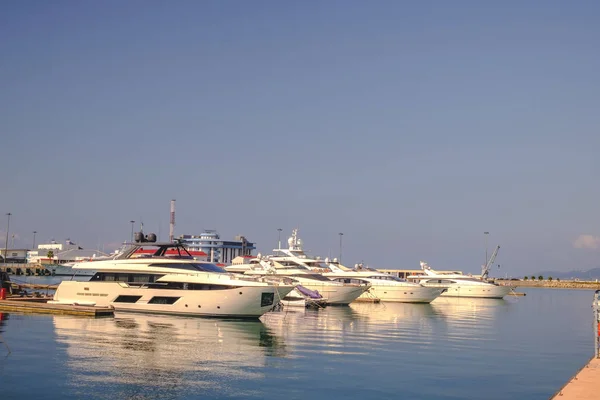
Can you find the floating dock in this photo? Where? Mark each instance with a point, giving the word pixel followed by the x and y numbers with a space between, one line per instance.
pixel 367 300
pixel 584 385
pixel 40 305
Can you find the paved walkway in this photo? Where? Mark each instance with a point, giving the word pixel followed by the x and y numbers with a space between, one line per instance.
pixel 583 386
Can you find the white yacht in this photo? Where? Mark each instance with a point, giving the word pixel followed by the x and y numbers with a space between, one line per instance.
pixel 461 285
pixel 384 287
pixel 292 263
pixel 170 284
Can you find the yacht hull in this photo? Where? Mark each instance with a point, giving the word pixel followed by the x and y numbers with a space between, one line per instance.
pixel 238 302
pixel 403 294
pixel 487 292
pixel 334 294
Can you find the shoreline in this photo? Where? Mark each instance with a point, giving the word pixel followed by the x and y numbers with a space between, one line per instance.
pixel 589 285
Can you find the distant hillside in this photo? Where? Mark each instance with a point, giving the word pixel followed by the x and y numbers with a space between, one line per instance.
pixel 592 274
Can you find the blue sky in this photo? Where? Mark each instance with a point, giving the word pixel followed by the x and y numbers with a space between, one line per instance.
pixel 411 127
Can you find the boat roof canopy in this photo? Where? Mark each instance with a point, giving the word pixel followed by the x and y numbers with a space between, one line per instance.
pixel 161 249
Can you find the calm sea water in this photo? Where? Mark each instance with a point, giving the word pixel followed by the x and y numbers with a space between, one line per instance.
pixel 524 348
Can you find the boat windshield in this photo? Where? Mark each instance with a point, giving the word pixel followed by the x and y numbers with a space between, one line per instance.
pixel 317 264
pixel 361 267
pixel 195 267
pixel 388 278
pixel 315 277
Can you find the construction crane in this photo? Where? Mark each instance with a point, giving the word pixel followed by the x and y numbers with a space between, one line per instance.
pixel 485 269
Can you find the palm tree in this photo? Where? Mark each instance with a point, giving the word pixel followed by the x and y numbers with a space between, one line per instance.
pixel 50 255
pixel 533 277
pixel 540 278
pixel 525 278
pixel 550 278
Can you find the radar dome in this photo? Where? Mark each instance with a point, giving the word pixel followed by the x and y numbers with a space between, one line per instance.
pixel 138 237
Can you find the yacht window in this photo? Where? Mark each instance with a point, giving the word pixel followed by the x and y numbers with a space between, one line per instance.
pixel 134 278
pixel 291 264
pixel 315 277
pixel 139 278
pixel 444 281
pixel 163 300
pixel 317 264
pixel 351 280
pixel 196 267
pixel 266 299
pixel 127 299
pixel 188 286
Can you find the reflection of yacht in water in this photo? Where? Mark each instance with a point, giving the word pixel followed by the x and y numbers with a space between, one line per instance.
pixel 166 284
pixel 160 351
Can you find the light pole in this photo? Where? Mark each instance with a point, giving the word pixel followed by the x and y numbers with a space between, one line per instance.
pixel 341 234
pixel 34 232
pixel 132 222
pixel 6 242
pixel 486 247
pixel 279 238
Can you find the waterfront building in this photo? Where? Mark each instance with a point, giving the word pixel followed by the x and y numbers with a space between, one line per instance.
pixel 218 250
pixel 59 253
pixel 18 256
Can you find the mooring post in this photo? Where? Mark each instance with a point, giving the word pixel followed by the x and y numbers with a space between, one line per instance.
pixel 596 307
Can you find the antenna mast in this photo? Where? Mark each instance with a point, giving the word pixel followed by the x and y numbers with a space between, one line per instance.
pixel 172 221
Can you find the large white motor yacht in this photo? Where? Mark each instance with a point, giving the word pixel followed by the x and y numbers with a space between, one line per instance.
pixel 291 263
pixel 170 284
pixel 384 287
pixel 460 285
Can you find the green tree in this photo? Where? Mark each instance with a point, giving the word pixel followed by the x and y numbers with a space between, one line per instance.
pixel 532 277
pixel 557 279
pixel 540 278
pixel 550 278
pixel 50 254
pixel 525 278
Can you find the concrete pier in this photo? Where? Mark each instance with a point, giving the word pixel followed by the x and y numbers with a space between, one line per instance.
pixel 26 269
pixel 585 385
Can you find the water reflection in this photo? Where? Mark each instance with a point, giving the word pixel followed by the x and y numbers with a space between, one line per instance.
pixel 163 350
pixel 471 321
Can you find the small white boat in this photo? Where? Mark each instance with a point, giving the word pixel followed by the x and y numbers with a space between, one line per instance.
pixel 303 297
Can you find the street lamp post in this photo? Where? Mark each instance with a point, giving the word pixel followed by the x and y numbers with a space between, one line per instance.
pixel 279 238
pixel 341 234
pixel 6 242
pixel 486 247
pixel 132 222
pixel 33 248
